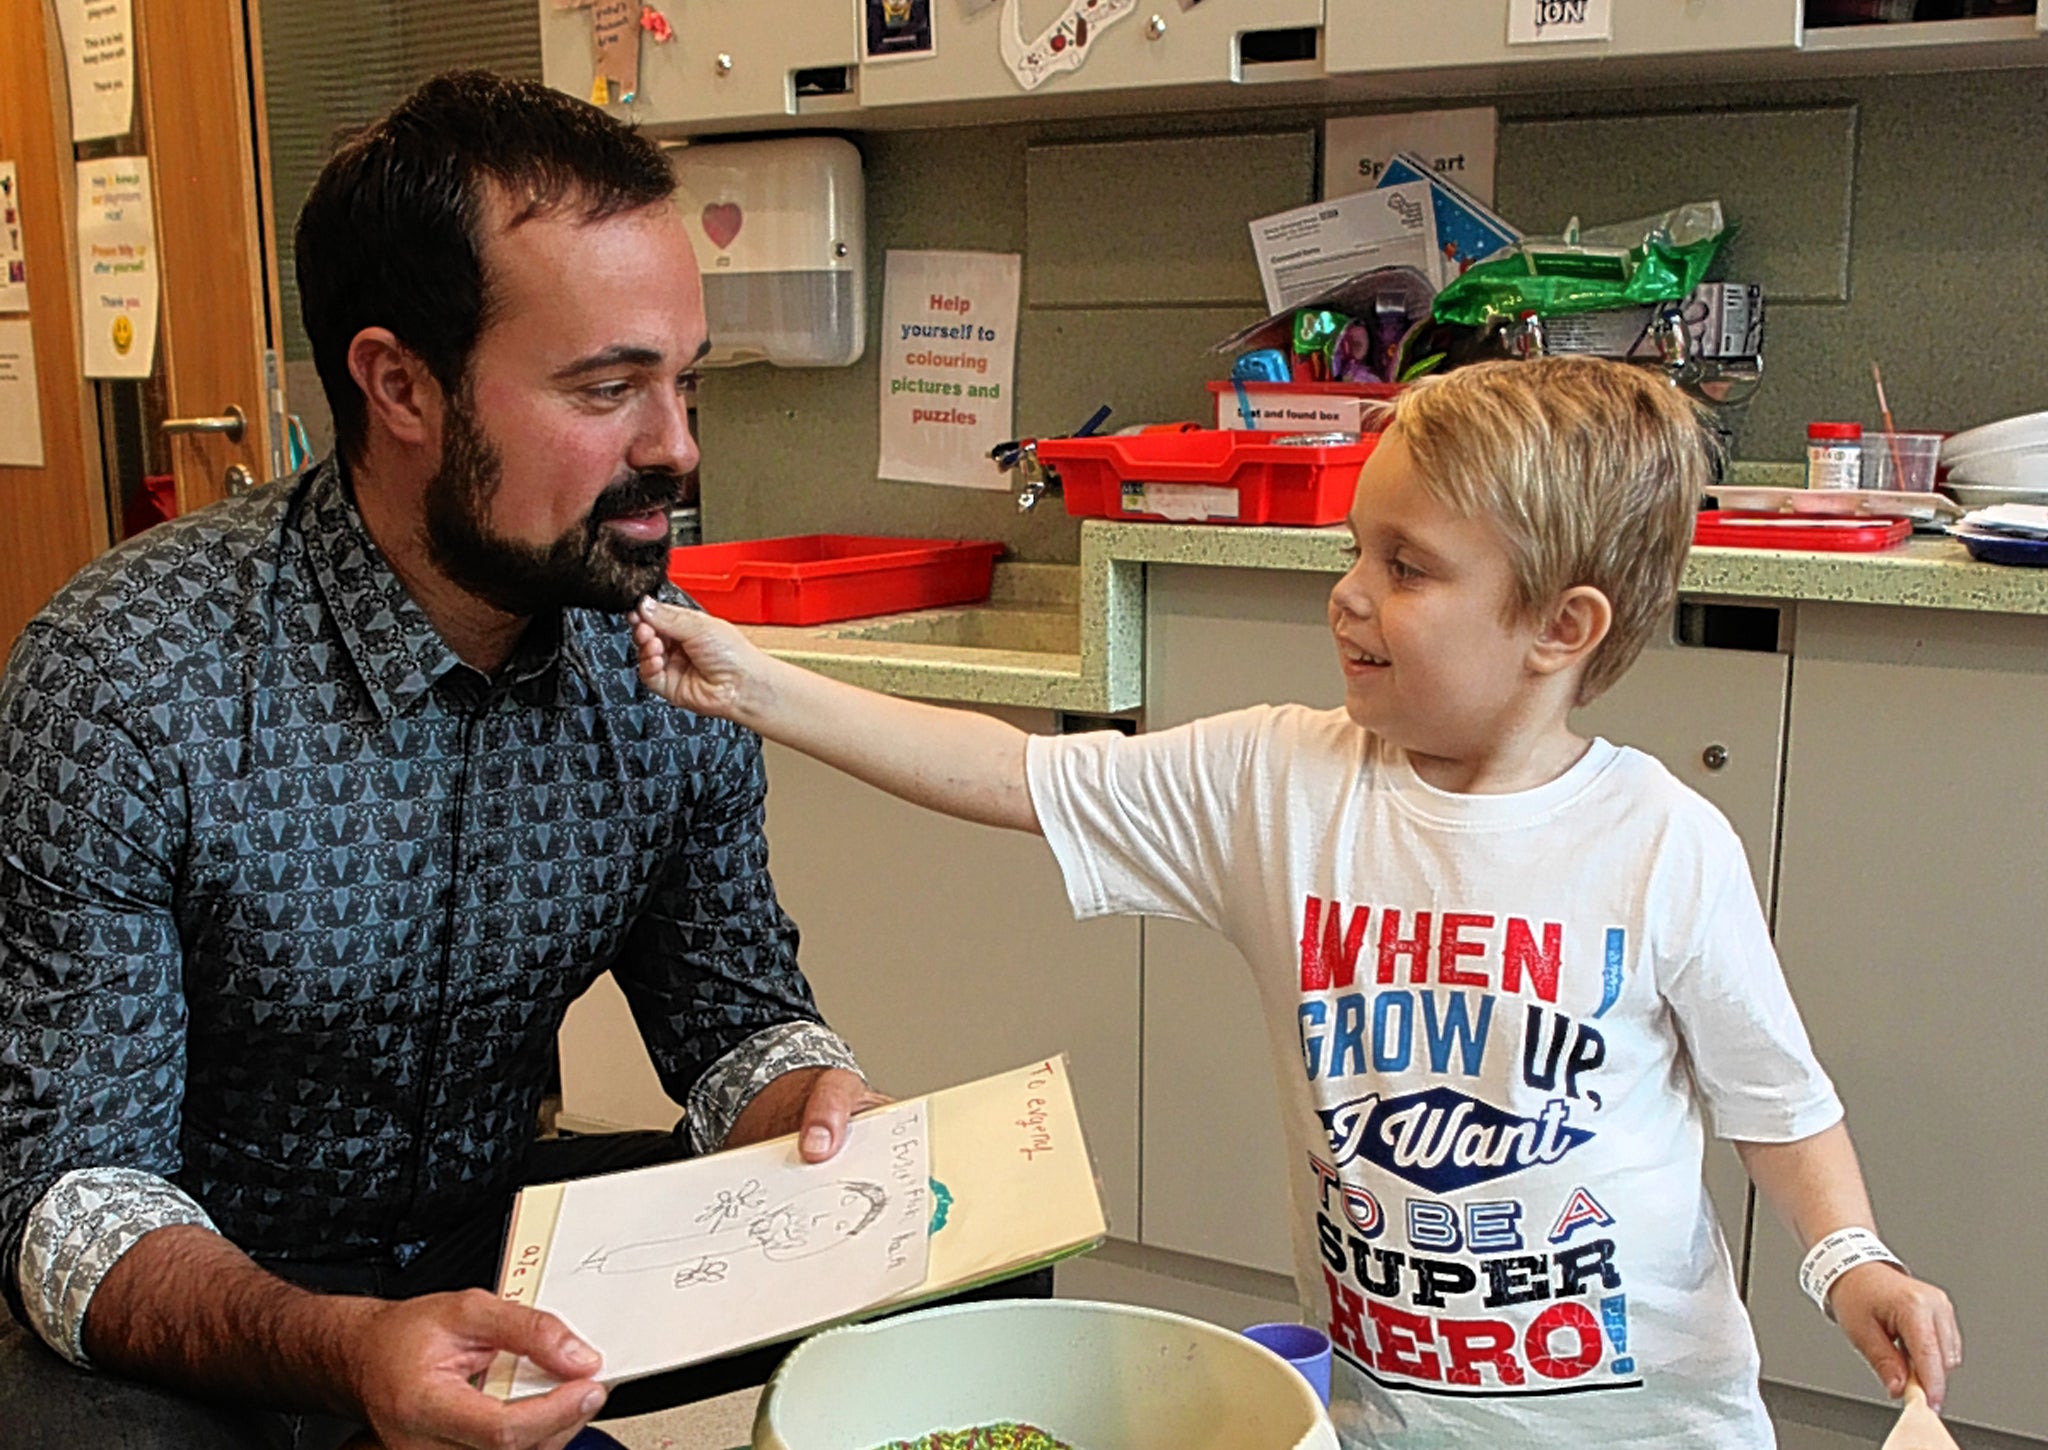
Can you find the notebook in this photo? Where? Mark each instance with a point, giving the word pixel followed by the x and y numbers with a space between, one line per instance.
pixel 683 1262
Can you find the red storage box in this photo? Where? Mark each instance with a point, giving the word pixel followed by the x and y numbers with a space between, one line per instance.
pixel 820 578
pixel 1209 475
pixel 1739 529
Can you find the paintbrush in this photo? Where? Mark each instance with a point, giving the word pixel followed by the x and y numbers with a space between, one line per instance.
pixel 1891 434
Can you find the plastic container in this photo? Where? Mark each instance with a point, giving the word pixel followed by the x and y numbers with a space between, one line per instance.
pixel 1102 1376
pixel 1210 475
pixel 1303 1346
pixel 1732 528
pixel 820 578
pixel 1834 455
pixel 1901 462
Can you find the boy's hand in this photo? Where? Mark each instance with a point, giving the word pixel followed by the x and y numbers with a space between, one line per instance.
pixel 1884 1311
pixel 694 660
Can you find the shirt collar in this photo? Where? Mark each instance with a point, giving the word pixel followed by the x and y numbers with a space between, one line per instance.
pixel 396 649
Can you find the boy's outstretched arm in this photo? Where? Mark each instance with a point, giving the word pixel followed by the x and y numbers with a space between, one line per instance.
pixel 961 762
pixel 1816 1186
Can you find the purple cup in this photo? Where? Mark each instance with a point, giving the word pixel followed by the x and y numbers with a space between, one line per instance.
pixel 1306 1348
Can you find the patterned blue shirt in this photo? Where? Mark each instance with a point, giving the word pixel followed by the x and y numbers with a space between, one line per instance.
pixel 292 901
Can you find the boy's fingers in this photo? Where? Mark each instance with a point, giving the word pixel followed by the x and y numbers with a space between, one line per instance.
pixel 1930 1365
pixel 1874 1343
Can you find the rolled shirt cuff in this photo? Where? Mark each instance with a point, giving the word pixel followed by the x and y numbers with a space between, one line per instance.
pixel 724 1091
pixel 79 1230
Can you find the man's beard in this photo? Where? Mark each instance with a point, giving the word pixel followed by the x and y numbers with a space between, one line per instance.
pixel 589 567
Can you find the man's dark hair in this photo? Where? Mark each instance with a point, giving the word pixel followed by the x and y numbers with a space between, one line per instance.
pixel 390 236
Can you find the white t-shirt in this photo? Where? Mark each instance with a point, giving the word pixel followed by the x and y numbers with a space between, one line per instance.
pixel 1506 1023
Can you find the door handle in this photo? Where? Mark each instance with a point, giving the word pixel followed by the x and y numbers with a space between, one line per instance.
pixel 233 425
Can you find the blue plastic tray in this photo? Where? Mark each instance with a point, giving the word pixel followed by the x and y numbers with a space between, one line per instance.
pixel 2004 548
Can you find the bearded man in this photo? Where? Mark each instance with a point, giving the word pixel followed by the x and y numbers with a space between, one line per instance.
pixel 319 807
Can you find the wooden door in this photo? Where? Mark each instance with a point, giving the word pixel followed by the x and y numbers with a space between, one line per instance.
pixel 52 518
pixel 199 91
pixel 196 122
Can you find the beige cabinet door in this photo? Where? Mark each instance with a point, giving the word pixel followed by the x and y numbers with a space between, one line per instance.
pixel 1159 43
pixel 940 951
pixel 1691 708
pixel 730 61
pixel 1405 35
pixel 1916 825
pixel 1215 640
pixel 944 951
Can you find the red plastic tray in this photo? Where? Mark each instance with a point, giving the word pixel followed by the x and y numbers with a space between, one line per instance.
pixel 1742 529
pixel 1207 475
pixel 819 578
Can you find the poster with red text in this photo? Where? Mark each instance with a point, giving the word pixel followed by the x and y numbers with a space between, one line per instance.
pixel 949 353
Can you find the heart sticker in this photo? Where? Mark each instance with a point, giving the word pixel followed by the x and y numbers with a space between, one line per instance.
pixel 722 223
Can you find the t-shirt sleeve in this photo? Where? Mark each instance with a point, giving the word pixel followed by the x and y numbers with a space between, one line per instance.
pixel 1752 1062
pixel 1149 824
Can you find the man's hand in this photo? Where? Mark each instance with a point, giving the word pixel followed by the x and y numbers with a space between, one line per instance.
pixel 410 1363
pixel 816 1101
pixel 1896 1322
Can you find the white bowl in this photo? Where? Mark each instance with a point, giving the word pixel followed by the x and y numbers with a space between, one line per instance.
pixel 2003 470
pixel 2027 431
pixel 1100 1376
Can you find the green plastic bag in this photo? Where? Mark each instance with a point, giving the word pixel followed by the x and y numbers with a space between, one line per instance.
pixel 1556 279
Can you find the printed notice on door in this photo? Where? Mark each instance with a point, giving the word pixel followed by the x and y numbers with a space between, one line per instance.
pixel 949 352
pixel 21 415
pixel 117 278
pixel 99 61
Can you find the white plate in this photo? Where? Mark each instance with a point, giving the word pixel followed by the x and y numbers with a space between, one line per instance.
pixel 2004 470
pixel 2028 430
pixel 1841 502
pixel 1984 495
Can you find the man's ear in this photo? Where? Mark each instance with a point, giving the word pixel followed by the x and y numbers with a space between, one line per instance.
pixel 399 392
pixel 1574 627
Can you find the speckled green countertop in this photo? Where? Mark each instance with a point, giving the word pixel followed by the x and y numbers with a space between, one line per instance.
pixel 1061 637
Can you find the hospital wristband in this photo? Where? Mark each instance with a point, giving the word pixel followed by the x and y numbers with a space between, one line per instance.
pixel 1835 1255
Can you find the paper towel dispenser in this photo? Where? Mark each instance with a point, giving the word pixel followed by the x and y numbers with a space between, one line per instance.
pixel 780 230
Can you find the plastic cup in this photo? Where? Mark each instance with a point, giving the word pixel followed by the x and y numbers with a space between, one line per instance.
pixel 1902 462
pixel 1306 1348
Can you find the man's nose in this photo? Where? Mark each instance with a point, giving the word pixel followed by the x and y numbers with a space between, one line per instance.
pixel 664 439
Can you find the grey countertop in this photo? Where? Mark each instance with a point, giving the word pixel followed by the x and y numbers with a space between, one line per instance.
pixel 1072 637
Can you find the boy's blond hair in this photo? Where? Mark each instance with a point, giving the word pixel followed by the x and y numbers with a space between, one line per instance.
pixel 1592 471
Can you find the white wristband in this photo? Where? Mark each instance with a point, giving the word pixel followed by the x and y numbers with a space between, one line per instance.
pixel 1834 1256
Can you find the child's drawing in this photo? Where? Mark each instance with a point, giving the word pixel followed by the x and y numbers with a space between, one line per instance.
pixel 812 1222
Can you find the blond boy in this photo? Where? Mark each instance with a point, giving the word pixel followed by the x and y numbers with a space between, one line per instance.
pixel 1526 972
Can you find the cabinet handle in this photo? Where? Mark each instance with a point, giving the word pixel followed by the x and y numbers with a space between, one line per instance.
pixel 723 64
pixel 1155 27
pixel 1714 757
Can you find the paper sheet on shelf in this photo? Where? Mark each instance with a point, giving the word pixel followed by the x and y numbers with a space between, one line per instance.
pixel 1309 249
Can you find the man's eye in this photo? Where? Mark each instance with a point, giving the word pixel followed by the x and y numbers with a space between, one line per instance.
pixel 609 392
pixel 687 382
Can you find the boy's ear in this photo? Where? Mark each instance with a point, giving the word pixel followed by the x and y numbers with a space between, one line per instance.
pixel 1576 624
pixel 399 391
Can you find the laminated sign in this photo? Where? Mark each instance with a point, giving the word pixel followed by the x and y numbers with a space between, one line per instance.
pixel 1535 22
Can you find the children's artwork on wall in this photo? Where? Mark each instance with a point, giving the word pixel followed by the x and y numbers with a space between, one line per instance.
pixel 898 30
pixel 1063 46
